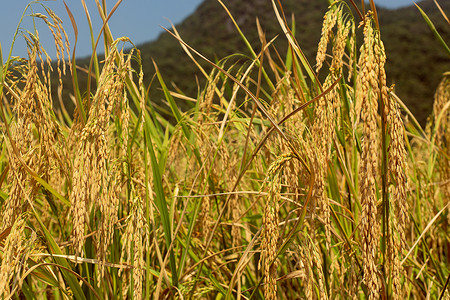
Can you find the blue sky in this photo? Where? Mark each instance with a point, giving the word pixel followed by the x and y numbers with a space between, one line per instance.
pixel 394 3
pixel 140 20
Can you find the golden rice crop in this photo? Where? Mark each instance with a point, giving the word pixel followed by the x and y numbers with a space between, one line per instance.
pixel 283 181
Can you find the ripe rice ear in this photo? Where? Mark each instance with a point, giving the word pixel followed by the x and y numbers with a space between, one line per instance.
pixel 21 136
pixel 330 19
pixel 96 175
pixel 367 94
pixel 14 257
pixel 340 41
pixel 441 120
pixel 270 239
pixel 397 168
pixel 323 134
pixel 135 243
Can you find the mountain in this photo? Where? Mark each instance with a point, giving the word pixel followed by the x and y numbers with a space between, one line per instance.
pixel 415 60
pixel 210 31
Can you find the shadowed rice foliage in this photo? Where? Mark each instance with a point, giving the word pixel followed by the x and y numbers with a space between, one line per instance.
pixel 275 185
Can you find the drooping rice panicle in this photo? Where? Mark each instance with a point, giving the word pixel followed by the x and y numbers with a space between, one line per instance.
pixel 367 93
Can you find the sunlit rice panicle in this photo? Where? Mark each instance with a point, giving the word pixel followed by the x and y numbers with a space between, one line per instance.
pixel 354 281
pixel 10 260
pixel 318 266
pixel 205 215
pixel 108 208
pixel 397 156
pixel 14 256
pixel 93 181
pixel 142 97
pixel 78 199
pixel 323 134
pixel 105 195
pixel 270 238
pixel 330 18
pixel 336 272
pixel 278 163
pixel 322 129
pixel 441 118
pixel 367 93
pixel 18 177
pixel 380 59
pixel 441 121
pixel 270 224
pixel 294 169
pixel 269 242
pixel 21 136
pixel 45 122
pixel 141 243
pixel 398 168
pixel 124 116
pixel 208 97
pixel 24 106
pixel 396 270
pixel 351 56
pixel 135 242
pixel 312 263
pixel 123 107
pixel 340 42
pixel 61 41
pixel 307 265
pixel 320 195
pixel 35 107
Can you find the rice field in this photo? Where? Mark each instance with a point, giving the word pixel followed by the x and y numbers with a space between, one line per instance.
pixel 288 178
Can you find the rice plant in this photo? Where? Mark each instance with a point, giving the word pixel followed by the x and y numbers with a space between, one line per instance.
pixel 287 179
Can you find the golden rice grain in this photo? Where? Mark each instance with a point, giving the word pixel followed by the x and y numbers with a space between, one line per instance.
pixel 441 120
pixel 24 107
pixel 323 134
pixel 14 256
pixel 330 18
pixel 351 56
pixel 395 267
pixel 270 238
pixel 95 178
pixel 135 242
pixel 340 42
pixel 398 168
pixel 367 93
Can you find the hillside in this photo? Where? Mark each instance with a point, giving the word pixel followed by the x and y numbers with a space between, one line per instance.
pixel 416 60
pixel 409 43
